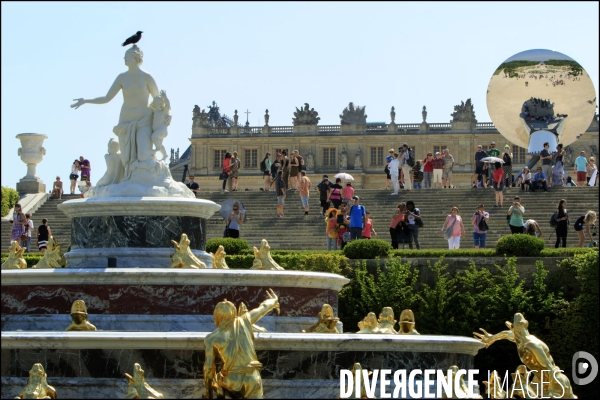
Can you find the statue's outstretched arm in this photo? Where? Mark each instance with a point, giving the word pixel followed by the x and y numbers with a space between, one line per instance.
pixel 112 92
pixel 266 306
pixel 488 338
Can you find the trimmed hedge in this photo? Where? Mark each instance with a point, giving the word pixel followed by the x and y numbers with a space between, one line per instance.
pixel 520 245
pixel 10 197
pixel 444 253
pixel 367 249
pixel 232 246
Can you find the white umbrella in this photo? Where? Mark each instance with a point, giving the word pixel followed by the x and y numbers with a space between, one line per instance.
pixel 227 208
pixel 492 159
pixel 343 175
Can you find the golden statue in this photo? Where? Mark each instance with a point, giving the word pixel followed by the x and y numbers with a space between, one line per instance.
pixel 534 354
pixel 37 387
pixel 233 343
pixel 53 257
pixel 386 321
pixel 407 323
pixel 326 322
pixel 219 258
pixel 138 388
pixel 460 392
pixel 363 391
pixel 263 259
pixel 368 324
pixel 79 316
pixel 183 257
pixel 494 387
pixel 523 389
pixel 15 258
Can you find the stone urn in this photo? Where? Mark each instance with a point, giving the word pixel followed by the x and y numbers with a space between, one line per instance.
pixel 31 152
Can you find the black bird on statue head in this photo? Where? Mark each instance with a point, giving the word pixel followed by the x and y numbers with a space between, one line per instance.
pixel 133 39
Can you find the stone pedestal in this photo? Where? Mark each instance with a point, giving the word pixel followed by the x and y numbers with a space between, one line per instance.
pixel 266 130
pixel 306 129
pixel 424 127
pixel 463 126
pixel 134 232
pixel 349 128
pixel 235 130
pixel 392 128
pixel 31 153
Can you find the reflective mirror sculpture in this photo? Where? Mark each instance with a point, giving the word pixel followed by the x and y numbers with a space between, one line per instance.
pixel 541 90
pixel 535 356
pixel 37 387
pixel 233 344
pixel 137 387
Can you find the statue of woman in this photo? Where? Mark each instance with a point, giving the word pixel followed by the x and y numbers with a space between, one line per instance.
pixel 310 160
pixel 424 114
pixel 393 115
pixel 358 159
pixel 343 159
pixel 267 117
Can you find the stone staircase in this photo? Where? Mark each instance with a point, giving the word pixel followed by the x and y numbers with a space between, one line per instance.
pixel 295 232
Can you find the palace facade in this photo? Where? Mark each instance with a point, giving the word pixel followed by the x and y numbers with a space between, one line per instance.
pixel 355 146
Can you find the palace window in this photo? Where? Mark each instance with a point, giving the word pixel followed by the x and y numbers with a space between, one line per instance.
pixel 437 148
pixel 219 156
pixel 281 151
pixel 250 158
pixel 329 157
pixel 518 155
pixel 376 155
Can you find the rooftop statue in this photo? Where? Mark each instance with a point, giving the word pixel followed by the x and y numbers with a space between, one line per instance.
pixel 304 116
pixel 368 323
pixel 144 175
pixel 233 343
pixel 79 316
pixel 464 112
pixel 37 387
pixel 352 115
pixel 137 387
pixel 326 321
pixel 200 118
pixel 263 259
pixel 393 115
pixel 183 256
pixel 424 114
pixel 534 354
pixel 15 258
pixel 53 257
pixel 386 321
pixel 219 258
pixel 407 323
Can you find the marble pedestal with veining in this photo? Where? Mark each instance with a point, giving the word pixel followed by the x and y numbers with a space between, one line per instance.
pixel 125 232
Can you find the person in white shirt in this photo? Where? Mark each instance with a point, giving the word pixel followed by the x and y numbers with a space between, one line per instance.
pixel 525 179
pixel 394 166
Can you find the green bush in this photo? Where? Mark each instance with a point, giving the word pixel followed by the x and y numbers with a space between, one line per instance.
pixel 324 262
pixel 10 197
pixel 520 245
pixel 367 249
pixel 444 253
pixel 566 251
pixel 232 246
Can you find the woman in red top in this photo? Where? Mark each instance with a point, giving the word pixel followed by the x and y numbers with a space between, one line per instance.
pixel 499 184
pixel 226 168
pixel 368 229
pixel 397 218
pixel 427 171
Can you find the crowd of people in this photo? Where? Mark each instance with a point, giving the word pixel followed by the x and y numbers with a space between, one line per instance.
pixel 22 228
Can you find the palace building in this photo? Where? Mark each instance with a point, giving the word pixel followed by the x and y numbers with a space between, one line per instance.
pixel 355 146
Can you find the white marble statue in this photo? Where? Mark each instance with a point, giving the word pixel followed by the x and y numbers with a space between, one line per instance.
pixel 114 168
pixel 143 174
pixel 358 159
pixel 161 108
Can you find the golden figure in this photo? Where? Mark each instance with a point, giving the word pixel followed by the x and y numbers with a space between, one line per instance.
pixel 15 258
pixel 219 258
pixel 183 257
pixel 79 316
pixel 522 388
pixel 37 387
pixel 386 321
pixel 460 392
pixel 534 354
pixel 233 343
pixel 407 323
pixel 494 390
pixel 263 259
pixel 368 324
pixel 326 322
pixel 138 388
pixel 363 391
pixel 53 257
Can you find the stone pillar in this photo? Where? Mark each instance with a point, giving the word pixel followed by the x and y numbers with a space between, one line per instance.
pixel 424 127
pixel 306 129
pixel 31 153
pixel 348 128
pixel 266 130
pixel 235 130
pixel 392 128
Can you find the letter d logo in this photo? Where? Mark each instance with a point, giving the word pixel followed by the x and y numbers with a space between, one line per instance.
pixel 581 367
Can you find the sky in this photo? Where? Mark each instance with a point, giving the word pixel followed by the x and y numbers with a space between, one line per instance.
pixel 262 55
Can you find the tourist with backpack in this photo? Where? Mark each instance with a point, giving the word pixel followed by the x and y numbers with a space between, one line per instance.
pixel 407 162
pixel 335 194
pixel 561 218
pixel 265 168
pixel 358 219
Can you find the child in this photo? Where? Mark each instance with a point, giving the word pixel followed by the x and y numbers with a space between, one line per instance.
pixel 162 109
pixel 417 175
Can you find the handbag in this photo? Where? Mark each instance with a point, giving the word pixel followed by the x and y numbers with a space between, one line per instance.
pixel 24 237
pixel 448 233
pixel 223 176
pixel 482 225
pixel 226 232
pixel 419 222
